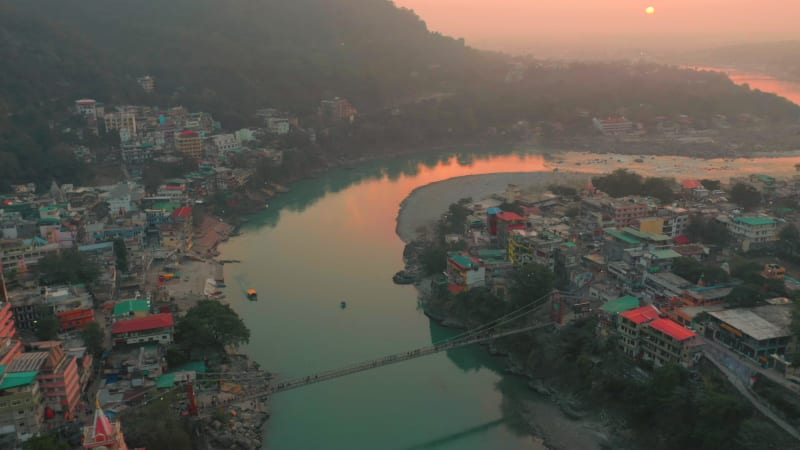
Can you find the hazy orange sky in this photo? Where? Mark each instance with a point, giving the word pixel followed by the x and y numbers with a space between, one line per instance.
pixel 494 23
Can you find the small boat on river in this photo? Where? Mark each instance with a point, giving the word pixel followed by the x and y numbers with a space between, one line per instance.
pixel 343 305
pixel 252 294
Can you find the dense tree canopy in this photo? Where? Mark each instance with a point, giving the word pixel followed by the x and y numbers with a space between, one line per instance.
pixel 210 327
pixel 708 230
pixel 93 338
pixel 155 427
pixel 745 195
pixel 622 182
pixel 67 267
pixel 47 324
pixel 530 282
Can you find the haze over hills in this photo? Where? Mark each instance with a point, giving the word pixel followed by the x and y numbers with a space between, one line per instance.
pixel 231 57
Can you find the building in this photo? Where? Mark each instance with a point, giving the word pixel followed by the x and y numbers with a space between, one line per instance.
pixel 120 120
pixel 647 336
pixel 278 125
pixel 10 346
pixel 338 109
pixel 506 223
pixel 103 434
pixel 609 313
pixel 86 107
pixel 757 333
pixel 533 247
pixel 664 286
pixel 225 143
pixel 613 125
pixel 158 328
pixel 464 272
pixel 752 231
pixel 21 404
pixel 57 374
pixel 189 144
pixel 147 83
pixel 127 309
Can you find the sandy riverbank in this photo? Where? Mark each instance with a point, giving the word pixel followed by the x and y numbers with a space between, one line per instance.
pixel 427 203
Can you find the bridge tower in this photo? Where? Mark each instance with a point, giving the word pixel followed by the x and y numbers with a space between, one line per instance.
pixel 556 307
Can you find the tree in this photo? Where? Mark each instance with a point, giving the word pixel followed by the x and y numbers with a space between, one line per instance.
pixel 619 183
pixel 155 427
pixel 46 442
pixel 711 185
pixel 93 338
pixel 530 282
pixel 708 230
pixel 745 195
pixel 744 295
pixel 47 324
pixel 210 326
pixel 67 267
pixel 660 188
pixel 121 254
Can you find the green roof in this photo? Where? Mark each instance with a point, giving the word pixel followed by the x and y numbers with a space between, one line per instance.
pixel 665 254
pixel 17 379
pixel 196 366
pixel 616 234
pixel 168 206
pixel 644 235
pixel 621 304
pixel 165 381
pixel 492 254
pixel 569 244
pixel 462 260
pixel 755 220
pixel 127 307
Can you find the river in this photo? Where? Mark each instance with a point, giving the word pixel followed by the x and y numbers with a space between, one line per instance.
pixel 332 239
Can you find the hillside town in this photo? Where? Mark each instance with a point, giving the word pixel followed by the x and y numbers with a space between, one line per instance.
pixel 671 282
pixel 126 261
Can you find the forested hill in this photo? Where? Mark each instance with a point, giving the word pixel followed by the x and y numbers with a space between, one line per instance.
pixel 231 56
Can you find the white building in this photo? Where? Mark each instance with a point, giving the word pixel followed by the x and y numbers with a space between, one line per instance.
pixel 225 142
pixel 87 107
pixel 752 230
pixel 278 125
pixel 120 120
pixel 613 125
pixel 675 221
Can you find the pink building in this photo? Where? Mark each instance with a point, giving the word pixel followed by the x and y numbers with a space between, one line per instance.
pixel 10 346
pixel 58 374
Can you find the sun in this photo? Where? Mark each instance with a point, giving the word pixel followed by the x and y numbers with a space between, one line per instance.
pixel 650 10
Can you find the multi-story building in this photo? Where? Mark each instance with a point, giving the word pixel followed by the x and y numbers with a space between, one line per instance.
pixel 757 333
pixel 10 346
pixel 157 328
pixel 189 144
pixel 57 374
pixel 464 272
pixel 533 247
pixel 613 125
pixel 664 286
pixel 675 221
pixel 119 120
pixel 225 142
pixel 86 107
pixel 25 253
pixel 751 231
pixel 278 125
pixel 507 222
pixel 21 405
pixel 338 109
pixel 645 335
pixel 147 83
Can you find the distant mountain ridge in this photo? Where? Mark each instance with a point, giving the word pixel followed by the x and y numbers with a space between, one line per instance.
pixel 781 59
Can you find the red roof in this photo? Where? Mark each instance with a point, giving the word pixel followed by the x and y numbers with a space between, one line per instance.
pixel 183 211
pixel 681 240
pixel 188 133
pixel 672 329
pixel 691 184
pixel 642 315
pixel 509 216
pixel 144 323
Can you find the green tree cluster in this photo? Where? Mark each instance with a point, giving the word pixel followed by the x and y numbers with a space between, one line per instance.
pixel 694 271
pixel 622 182
pixel 121 255
pixel 93 338
pixel 156 427
pixel 67 267
pixel 210 327
pixel 47 324
pixel 745 195
pixel 708 230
